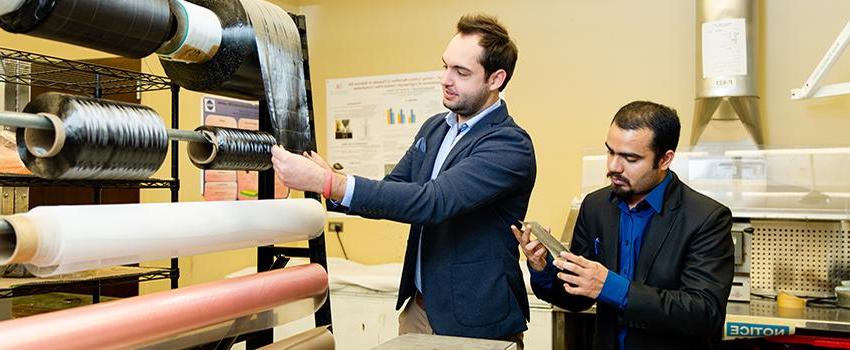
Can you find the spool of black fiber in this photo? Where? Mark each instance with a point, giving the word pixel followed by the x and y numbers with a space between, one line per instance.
pixel 232 149
pixel 130 28
pixel 92 139
pixel 235 69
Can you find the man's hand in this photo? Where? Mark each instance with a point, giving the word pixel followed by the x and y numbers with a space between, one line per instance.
pixel 316 158
pixel 587 276
pixel 298 172
pixel 534 251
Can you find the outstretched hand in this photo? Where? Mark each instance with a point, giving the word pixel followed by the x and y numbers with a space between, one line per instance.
pixel 534 251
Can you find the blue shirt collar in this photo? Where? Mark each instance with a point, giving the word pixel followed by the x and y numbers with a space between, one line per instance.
pixel 654 198
pixel 451 117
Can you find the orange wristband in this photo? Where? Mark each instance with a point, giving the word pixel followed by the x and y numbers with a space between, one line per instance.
pixel 329 180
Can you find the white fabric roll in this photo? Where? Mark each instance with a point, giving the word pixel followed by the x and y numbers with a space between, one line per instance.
pixel 65 239
pixel 9 6
pixel 198 34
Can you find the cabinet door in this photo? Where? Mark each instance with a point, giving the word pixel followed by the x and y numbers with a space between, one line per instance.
pixel 363 321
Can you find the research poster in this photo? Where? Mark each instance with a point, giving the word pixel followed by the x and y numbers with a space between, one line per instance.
pixel 371 121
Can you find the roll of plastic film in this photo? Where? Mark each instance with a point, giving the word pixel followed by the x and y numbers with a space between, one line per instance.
pixel 232 149
pixel 234 70
pixel 55 240
pixel 96 139
pixel 279 52
pixel 197 37
pixel 130 28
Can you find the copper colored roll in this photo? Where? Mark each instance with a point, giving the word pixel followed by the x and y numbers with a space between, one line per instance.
pixel 314 339
pixel 130 322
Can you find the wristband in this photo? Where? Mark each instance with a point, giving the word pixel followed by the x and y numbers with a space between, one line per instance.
pixel 329 179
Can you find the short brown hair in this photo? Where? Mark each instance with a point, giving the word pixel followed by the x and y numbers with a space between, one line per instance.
pixel 499 50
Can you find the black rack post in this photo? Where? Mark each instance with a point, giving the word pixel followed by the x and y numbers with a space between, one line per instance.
pixel 318 250
pixel 97 190
pixel 175 171
pixel 271 257
pixel 265 259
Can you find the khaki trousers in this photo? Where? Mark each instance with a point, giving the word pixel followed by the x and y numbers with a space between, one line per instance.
pixel 413 319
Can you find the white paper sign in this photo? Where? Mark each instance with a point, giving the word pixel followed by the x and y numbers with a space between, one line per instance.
pixel 372 120
pixel 724 48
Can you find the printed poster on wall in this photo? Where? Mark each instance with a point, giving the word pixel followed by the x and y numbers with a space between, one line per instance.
pixel 224 185
pixel 372 120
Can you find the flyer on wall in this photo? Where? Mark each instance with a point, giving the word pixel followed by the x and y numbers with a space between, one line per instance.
pixel 224 185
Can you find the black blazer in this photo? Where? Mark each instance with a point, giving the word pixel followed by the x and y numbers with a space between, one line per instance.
pixel 682 277
pixel 472 283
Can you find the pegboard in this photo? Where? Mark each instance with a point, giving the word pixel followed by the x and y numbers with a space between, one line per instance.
pixel 804 258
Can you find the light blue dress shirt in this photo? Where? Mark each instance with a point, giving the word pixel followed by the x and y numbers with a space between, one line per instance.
pixel 455 133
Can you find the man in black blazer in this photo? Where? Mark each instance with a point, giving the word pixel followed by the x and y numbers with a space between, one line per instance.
pixel 654 255
pixel 467 176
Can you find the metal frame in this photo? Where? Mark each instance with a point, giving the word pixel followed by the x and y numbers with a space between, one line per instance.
pixel 15 180
pixel 96 81
pixel 65 75
pixel 812 88
pixel 271 257
pixel 34 289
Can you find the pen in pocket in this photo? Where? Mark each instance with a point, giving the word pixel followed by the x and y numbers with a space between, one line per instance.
pixel 596 246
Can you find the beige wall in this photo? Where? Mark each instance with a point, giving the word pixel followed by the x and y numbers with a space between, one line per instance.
pixel 579 62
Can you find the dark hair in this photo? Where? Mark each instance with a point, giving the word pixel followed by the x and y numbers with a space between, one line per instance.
pixel 660 119
pixel 499 51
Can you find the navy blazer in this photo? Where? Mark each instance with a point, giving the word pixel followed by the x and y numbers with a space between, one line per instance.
pixel 471 281
pixel 683 275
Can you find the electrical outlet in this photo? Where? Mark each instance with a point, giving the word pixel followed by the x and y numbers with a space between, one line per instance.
pixel 335 226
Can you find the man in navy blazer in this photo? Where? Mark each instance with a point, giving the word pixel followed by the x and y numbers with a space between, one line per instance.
pixel 466 177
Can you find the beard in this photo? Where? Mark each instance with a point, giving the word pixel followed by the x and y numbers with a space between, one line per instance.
pixel 620 190
pixel 630 190
pixel 468 105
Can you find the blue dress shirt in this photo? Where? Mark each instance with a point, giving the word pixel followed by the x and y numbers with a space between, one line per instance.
pixel 633 225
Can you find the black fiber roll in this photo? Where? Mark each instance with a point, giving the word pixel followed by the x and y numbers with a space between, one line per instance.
pixel 235 69
pixel 27 16
pixel 232 149
pixel 103 140
pixel 279 48
pixel 259 59
pixel 130 28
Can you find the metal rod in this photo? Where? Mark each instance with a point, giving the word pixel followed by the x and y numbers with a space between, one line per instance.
pixel 25 120
pixel 35 121
pixel 183 135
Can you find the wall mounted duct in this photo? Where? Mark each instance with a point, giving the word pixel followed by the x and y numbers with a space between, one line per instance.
pixel 726 68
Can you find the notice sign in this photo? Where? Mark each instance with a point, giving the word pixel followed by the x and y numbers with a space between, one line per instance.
pixel 747 330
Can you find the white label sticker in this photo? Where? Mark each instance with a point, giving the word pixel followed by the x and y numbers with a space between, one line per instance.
pixel 724 48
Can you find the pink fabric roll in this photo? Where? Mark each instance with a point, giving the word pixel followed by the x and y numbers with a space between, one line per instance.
pixel 139 320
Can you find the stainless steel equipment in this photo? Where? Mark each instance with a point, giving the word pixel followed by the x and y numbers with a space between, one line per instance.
pixel 727 73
